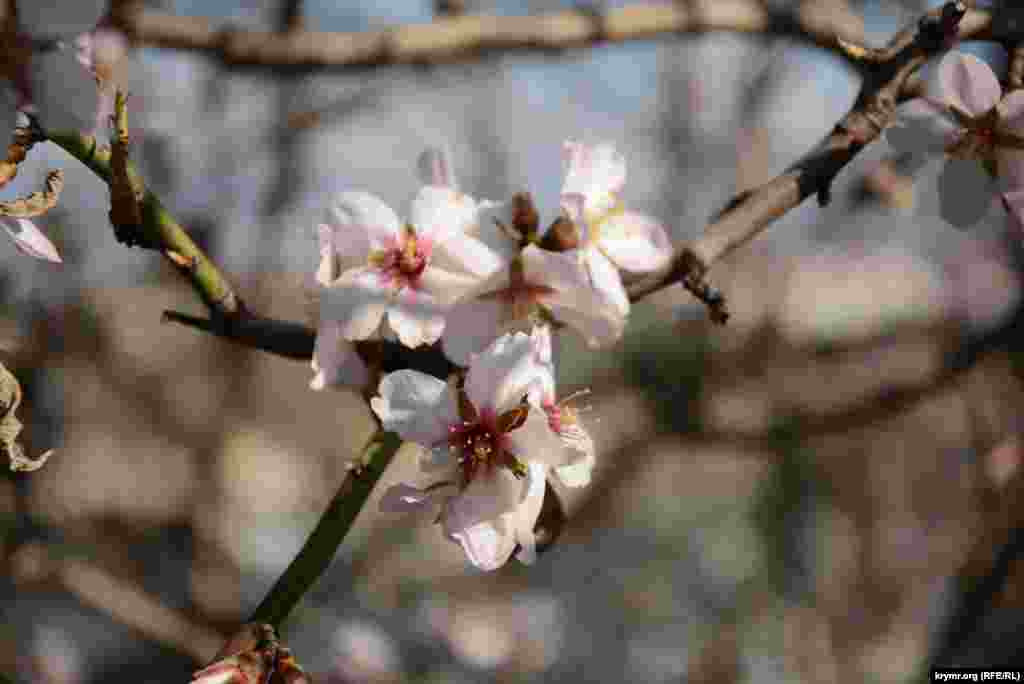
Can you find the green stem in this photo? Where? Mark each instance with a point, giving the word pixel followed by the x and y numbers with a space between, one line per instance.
pixel 318 551
pixel 159 226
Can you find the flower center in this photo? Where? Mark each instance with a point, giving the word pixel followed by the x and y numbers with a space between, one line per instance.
pixel 402 263
pixel 480 440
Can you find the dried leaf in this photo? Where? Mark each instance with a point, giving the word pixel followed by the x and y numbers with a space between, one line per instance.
pixel 10 426
pixel 38 203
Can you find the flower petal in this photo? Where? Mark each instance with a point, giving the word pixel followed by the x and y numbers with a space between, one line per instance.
pixel 472 324
pixel 534 440
pixel 968 83
pixel 596 172
pixel 335 361
pixel 29 239
pixel 605 280
pixel 504 373
pixel 356 302
pixel 524 518
pixel 488 545
pixel 440 214
pixel 403 498
pixel 435 168
pixel 362 222
pixel 494 491
pixel 419 407
pixel 921 126
pixel 1010 167
pixel 1014 204
pixel 578 472
pixel 63 91
pixel 965 192
pixel 467 254
pixel 635 242
pixel 52 19
pixel 598 323
pixel 416 317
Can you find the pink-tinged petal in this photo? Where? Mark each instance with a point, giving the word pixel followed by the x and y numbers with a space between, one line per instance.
pixel 417 406
pixel 635 242
pixel 965 192
pixel 221 673
pixel 444 286
pixel 466 254
pixel 329 268
pixel 504 373
pixel 471 325
pixel 362 222
pixel 598 323
pixel 605 280
pixel 356 302
pixel 596 172
pixel 524 518
pixel 534 440
pixel 494 228
pixel 335 361
pixel 52 19
pixel 64 92
pixel 403 498
pixel 1010 167
pixel 440 214
pixel 921 126
pixel 1011 111
pixel 435 168
pixel 416 317
pixel 492 492
pixel 1013 202
pixel 29 239
pixel 558 270
pixel 968 83
pixel 488 545
pixel 578 472
pixel 543 352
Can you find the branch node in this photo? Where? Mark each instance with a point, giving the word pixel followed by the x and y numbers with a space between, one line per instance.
pixel 691 272
pixel 937 31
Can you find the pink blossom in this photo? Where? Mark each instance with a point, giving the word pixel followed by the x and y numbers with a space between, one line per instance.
pixel 487 442
pixel 29 239
pixel 536 284
pixel 966 117
pixel 611 238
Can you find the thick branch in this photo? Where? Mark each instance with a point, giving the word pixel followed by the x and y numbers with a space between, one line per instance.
pixel 465 36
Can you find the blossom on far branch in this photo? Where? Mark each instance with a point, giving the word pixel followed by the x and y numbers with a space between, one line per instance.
pixel 966 117
pixel 488 443
pixel 610 237
pixel 46 72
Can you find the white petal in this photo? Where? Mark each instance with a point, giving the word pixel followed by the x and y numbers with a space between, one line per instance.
pixel 335 361
pixel 487 545
pixel 965 192
pixel 492 492
pixel 503 241
pixel 362 222
pixel 63 91
pixel 435 167
pixel 403 498
pixel 597 322
pixel 469 255
pixel 596 172
pixel 417 406
pixel 534 440
pixel 29 239
pixel 50 19
pixel 524 518
pixel 472 324
pixel 330 265
pixel 445 286
pixel 968 83
pixel 356 302
pixel 635 242
pixel 416 317
pixel 605 280
pixel 578 472
pixel 504 373
pixel 440 214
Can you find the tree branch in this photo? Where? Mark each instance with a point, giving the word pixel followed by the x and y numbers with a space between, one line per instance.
pixel 318 551
pixel 465 36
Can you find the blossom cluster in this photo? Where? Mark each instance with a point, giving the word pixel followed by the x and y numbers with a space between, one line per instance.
pixel 467 273
pixel 965 117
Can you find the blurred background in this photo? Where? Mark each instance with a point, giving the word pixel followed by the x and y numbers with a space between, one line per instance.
pixel 813 493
